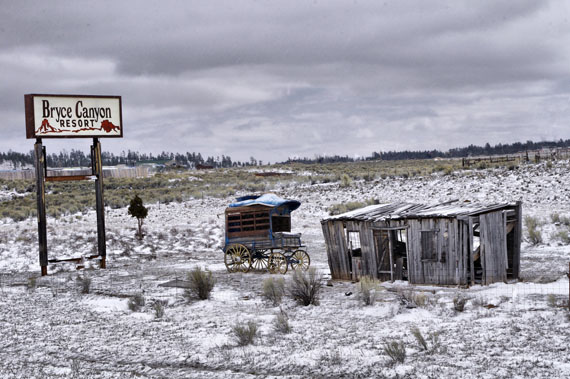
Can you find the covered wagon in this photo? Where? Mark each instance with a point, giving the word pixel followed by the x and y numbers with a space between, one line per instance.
pixel 258 235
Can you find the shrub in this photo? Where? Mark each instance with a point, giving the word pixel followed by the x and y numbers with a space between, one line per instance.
pixel 395 350
pixel 32 283
pixel 85 283
pixel 136 302
pixel 534 235
pixel 419 337
pixel 273 289
pixel 345 180
pixel 551 300
pixel 305 286
pixel 330 358
pixel 201 284
pixel 281 323
pixel 245 333
pixel 420 299
pixel 423 343
pixel 565 220
pixel 367 290
pixel 337 209
pixel 555 217
pixel 459 302
pixel 412 299
pixel 158 306
pixel 563 236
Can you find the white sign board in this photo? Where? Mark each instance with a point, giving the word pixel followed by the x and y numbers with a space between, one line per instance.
pixel 73 116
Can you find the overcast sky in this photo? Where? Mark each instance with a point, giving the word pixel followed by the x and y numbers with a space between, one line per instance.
pixel 274 79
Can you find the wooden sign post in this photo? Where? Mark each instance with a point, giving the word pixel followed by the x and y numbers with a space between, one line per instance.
pixel 71 116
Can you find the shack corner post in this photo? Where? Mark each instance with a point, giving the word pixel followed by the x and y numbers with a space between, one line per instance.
pixel 71 116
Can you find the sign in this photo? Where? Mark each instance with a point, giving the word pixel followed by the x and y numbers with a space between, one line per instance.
pixel 73 116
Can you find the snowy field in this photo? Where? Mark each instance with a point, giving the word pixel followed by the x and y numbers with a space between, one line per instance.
pixel 50 329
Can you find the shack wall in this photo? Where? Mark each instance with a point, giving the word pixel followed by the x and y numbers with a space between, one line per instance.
pixel 447 266
pixel 453 261
pixel 493 247
pixel 337 249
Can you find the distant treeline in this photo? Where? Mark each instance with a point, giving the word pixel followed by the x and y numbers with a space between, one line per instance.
pixel 76 158
pixel 458 152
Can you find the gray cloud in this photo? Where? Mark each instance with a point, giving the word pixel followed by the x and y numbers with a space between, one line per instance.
pixel 296 78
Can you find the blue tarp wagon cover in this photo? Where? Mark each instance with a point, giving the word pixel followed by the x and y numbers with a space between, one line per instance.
pixel 268 199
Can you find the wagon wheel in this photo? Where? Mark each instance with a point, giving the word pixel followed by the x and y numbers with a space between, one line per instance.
pixel 237 258
pixel 260 260
pixel 277 263
pixel 300 260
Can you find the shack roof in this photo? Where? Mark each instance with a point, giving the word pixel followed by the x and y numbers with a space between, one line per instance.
pixel 380 212
pixel 268 199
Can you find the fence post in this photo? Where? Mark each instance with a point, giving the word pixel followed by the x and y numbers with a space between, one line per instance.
pixel 568 274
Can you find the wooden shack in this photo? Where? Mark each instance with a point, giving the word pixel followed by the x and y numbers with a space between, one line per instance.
pixel 448 243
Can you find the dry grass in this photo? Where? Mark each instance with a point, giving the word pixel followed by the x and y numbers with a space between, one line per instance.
pixel 245 333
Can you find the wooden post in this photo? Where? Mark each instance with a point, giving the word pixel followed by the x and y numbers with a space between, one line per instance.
pixel 470 251
pixel 41 204
pixel 97 167
pixel 390 248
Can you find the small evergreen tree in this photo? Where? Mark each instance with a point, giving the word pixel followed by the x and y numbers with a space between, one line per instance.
pixel 138 210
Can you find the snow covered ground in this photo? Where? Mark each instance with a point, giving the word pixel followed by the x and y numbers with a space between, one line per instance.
pixel 50 329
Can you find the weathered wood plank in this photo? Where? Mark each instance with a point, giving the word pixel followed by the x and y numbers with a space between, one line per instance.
pixel 518 238
pixel 470 251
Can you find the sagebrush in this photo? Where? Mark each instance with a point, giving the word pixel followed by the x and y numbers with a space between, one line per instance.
pixel 305 286
pixel 244 333
pixel 534 234
pixel 396 350
pixel 201 283
pixel 274 289
pixel 281 323
pixel 136 302
pixel 367 289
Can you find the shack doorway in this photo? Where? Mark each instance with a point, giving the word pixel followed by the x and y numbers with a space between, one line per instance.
pixel 391 253
pixel 512 256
